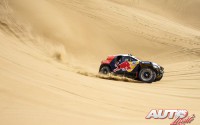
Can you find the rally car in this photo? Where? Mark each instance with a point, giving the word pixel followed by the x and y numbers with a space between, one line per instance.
pixel 129 66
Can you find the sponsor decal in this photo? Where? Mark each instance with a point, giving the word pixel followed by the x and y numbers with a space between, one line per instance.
pixel 126 66
pixel 180 116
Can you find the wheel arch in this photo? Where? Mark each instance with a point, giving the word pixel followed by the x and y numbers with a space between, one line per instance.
pixel 148 65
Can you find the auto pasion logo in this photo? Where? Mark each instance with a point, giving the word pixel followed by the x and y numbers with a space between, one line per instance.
pixel 180 116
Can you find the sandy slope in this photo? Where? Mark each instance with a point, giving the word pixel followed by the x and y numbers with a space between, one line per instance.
pixel 182 11
pixel 43 43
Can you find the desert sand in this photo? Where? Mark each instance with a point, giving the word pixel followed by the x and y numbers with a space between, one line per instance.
pixel 45 43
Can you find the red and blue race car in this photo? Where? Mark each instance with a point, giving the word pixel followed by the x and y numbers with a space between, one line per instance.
pixel 129 66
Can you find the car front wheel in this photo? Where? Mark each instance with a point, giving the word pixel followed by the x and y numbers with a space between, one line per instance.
pixel 147 75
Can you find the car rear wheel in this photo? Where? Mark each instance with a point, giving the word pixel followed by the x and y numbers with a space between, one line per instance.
pixel 105 70
pixel 147 75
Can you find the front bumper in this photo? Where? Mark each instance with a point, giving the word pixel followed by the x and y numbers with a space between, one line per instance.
pixel 159 71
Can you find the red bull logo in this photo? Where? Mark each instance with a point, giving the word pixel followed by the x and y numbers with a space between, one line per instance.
pixel 124 66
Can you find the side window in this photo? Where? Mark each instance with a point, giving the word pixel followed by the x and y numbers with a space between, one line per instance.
pixel 118 58
pixel 125 58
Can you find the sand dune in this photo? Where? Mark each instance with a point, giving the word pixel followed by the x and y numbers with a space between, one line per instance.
pixel 44 43
pixel 182 11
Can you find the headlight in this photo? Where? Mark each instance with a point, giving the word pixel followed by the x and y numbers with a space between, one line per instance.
pixel 155 66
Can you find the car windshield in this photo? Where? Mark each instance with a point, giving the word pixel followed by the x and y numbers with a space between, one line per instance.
pixel 135 58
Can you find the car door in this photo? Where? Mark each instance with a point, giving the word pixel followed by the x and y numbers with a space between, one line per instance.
pixel 129 64
pixel 122 64
pixel 133 64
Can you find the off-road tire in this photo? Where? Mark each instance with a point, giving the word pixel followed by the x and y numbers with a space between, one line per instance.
pixel 105 70
pixel 147 75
